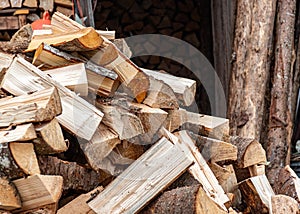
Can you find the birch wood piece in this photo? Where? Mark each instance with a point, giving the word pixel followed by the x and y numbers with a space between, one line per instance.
pixel 81 40
pixel 9 196
pixel 50 138
pixel 183 88
pixel 284 204
pixel 23 132
pixel 142 180
pixel 39 106
pixel 23 77
pixel 258 192
pixel 39 190
pixel 73 77
pixel 17 160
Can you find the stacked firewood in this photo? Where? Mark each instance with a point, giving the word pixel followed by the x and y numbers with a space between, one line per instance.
pixel 77 116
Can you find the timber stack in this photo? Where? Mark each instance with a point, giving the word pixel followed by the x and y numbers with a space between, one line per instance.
pixel 85 130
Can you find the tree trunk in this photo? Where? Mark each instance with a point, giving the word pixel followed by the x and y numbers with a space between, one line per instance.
pixel 250 69
pixel 280 127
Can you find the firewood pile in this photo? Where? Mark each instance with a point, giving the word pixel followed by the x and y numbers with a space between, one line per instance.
pixel 85 130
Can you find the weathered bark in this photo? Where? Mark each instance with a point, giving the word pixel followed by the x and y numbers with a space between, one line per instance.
pixel 250 69
pixel 280 127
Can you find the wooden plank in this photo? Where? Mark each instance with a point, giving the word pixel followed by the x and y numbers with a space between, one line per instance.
pixel 24 132
pixel 142 180
pixel 78 116
pixel 39 106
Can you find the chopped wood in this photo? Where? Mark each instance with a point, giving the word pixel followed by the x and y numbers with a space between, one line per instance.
pixel 19 133
pixel 16 3
pixel 9 23
pixel 46 5
pixel 283 204
pixel 66 11
pixel 250 151
pixel 183 88
pixel 75 177
pixel 140 182
pixel 65 3
pixel 9 196
pixel 215 150
pixel 108 34
pixel 81 40
pixel 50 138
pixel 121 44
pixel 39 190
pixel 101 144
pixel 201 171
pixel 30 3
pixel 189 199
pixel 79 204
pixel 288 183
pixel 39 106
pixel 22 78
pixel 160 95
pixel 4 4
pixel 257 169
pixel 61 23
pixel 258 192
pixel 73 77
pixel 17 160
pixel 5 60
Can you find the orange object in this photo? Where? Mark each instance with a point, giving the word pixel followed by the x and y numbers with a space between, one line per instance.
pixel 38 24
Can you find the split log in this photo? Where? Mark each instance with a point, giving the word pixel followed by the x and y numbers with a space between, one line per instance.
pixel 257 169
pixel 250 67
pixel 62 24
pixel 17 160
pixel 4 4
pixel 132 189
pixel 288 183
pixel 9 196
pixel 50 138
pixel 213 127
pixel 5 60
pixel 66 11
pixel 65 3
pixel 40 106
pixel 120 119
pixel 73 77
pixel 183 88
pixel 16 3
pixel 257 192
pixel 81 40
pixel 121 44
pixel 46 5
pixel 79 204
pixel 38 191
pixel 23 77
pixel 284 204
pixel 215 150
pixel 108 34
pixel 75 177
pixel 190 199
pixel 99 147
pixel 19 133
pixel 280 123
pixel 30 3
pixel 160 95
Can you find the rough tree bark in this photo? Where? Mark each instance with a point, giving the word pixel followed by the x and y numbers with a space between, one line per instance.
pixel 250 69
pixel 280 125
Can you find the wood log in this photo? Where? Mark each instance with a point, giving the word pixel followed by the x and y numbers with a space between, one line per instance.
pixel 65 3
pixel 30 3
pixel 50 138
pixel 76 177
pixel 215 150
pixel 81 40
pixel 183 88
pixel 165 162
pixel 288 183
pixel 210 126
pixel 16 3
pixel 9 23
pixel 46 5
pixel 102 143
pixel 9 196
pixel 38 191
pixel 79 204
pixel 257 169
pixel 160 95
pixel 280 123
pixel 39 106
pixel 190 199
pixel 88 117
pixel 258 192
pixel 5 60
pixel 122 45
pixel 250 67
pixel 19 133
pixel 4 4
pixel 283 204
pixel 66 11
pixel 250 152
pixel 73 77
pixel 108 34
pixel 17 160
pixel 120 119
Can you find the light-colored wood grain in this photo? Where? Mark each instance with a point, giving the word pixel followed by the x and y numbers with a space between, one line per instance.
pixel 142 180
pixel 46 5
pixel 30 3
pixel 4 4
pixel 16 3
pixel 283 204
pixel 78 116
pixel 9 196
pixel 65 3
pixel 23 132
